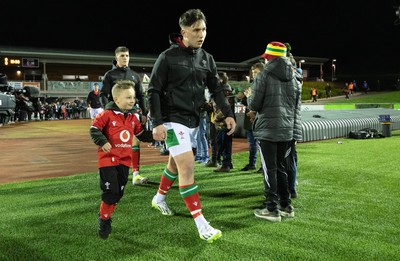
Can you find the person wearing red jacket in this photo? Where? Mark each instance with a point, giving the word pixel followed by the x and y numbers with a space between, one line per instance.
pixel 112 131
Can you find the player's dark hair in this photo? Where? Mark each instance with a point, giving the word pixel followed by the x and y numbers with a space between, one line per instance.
pixel 190 17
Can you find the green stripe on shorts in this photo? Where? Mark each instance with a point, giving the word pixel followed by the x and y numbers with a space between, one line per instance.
pixel 171 140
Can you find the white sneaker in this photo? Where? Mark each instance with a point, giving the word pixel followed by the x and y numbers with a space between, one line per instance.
pixel 209 233
pixel 138 179
pixel 162 206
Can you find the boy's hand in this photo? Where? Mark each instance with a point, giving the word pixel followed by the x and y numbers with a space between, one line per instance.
pixel 106 147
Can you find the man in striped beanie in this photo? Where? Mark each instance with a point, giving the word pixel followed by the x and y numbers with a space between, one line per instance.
pixel 274 99
pixel 274 50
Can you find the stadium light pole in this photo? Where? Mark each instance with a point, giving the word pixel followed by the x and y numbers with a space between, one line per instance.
pixel 300 62
pixel 333 69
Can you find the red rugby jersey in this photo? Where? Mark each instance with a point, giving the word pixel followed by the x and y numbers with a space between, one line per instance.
pixel 119 132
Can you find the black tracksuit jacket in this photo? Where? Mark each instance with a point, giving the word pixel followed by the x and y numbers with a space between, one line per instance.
pixel 122 73
pixel 177 84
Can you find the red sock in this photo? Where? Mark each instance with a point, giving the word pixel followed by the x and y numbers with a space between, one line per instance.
pixel 106 210
pixel 191 197
pixel 167 179
pixel 135 158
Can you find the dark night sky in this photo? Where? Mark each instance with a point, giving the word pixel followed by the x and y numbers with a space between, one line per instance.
pixel 360 35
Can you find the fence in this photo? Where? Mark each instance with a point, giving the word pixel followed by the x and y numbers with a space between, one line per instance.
pixel 321 125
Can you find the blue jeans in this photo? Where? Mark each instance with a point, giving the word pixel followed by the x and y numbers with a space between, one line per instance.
pixel 202 143
pixel 224 147
pixel 252 147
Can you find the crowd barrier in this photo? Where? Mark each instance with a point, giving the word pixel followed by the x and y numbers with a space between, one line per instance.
pixel 330 124
pixel 321 125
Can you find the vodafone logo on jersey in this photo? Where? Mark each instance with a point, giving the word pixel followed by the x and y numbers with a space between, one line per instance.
pixel 124 136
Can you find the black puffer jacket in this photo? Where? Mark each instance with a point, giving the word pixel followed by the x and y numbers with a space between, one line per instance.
pixel 177 85
pixel 297 131
pixel 274 100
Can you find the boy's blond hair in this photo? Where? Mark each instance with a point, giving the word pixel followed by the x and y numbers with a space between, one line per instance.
pixel 122 85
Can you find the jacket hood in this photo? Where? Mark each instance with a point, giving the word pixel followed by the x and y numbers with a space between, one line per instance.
pixel 175 39
pixel 112 106
pixel 281 68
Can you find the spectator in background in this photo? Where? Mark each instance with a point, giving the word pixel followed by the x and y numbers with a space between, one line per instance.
pixel 63 111
pixel 223 138
pixel 346 91
pixel 328 90
pixel 365 87
pixel 213 162
pixel 355 86
pixel 202 155
pixel 351 88
pixel 314 94
pixel 291 153
pixel 242 98
pixel 290 56
pixel 93 102
pixel 84 109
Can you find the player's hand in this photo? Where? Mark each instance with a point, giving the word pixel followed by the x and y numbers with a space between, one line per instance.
pixel 159 133
pixel 231 125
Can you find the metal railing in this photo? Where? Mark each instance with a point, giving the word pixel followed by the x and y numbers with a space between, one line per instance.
pixel 330 129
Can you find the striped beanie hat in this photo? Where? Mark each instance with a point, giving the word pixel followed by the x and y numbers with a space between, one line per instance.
pixel 274 50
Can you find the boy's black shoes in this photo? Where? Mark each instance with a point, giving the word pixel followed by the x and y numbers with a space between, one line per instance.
pixel 104 228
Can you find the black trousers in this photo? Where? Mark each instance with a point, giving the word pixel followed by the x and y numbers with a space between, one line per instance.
pixel 291 166
pixel 272 155
pixel 112 183
pixel 213 143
